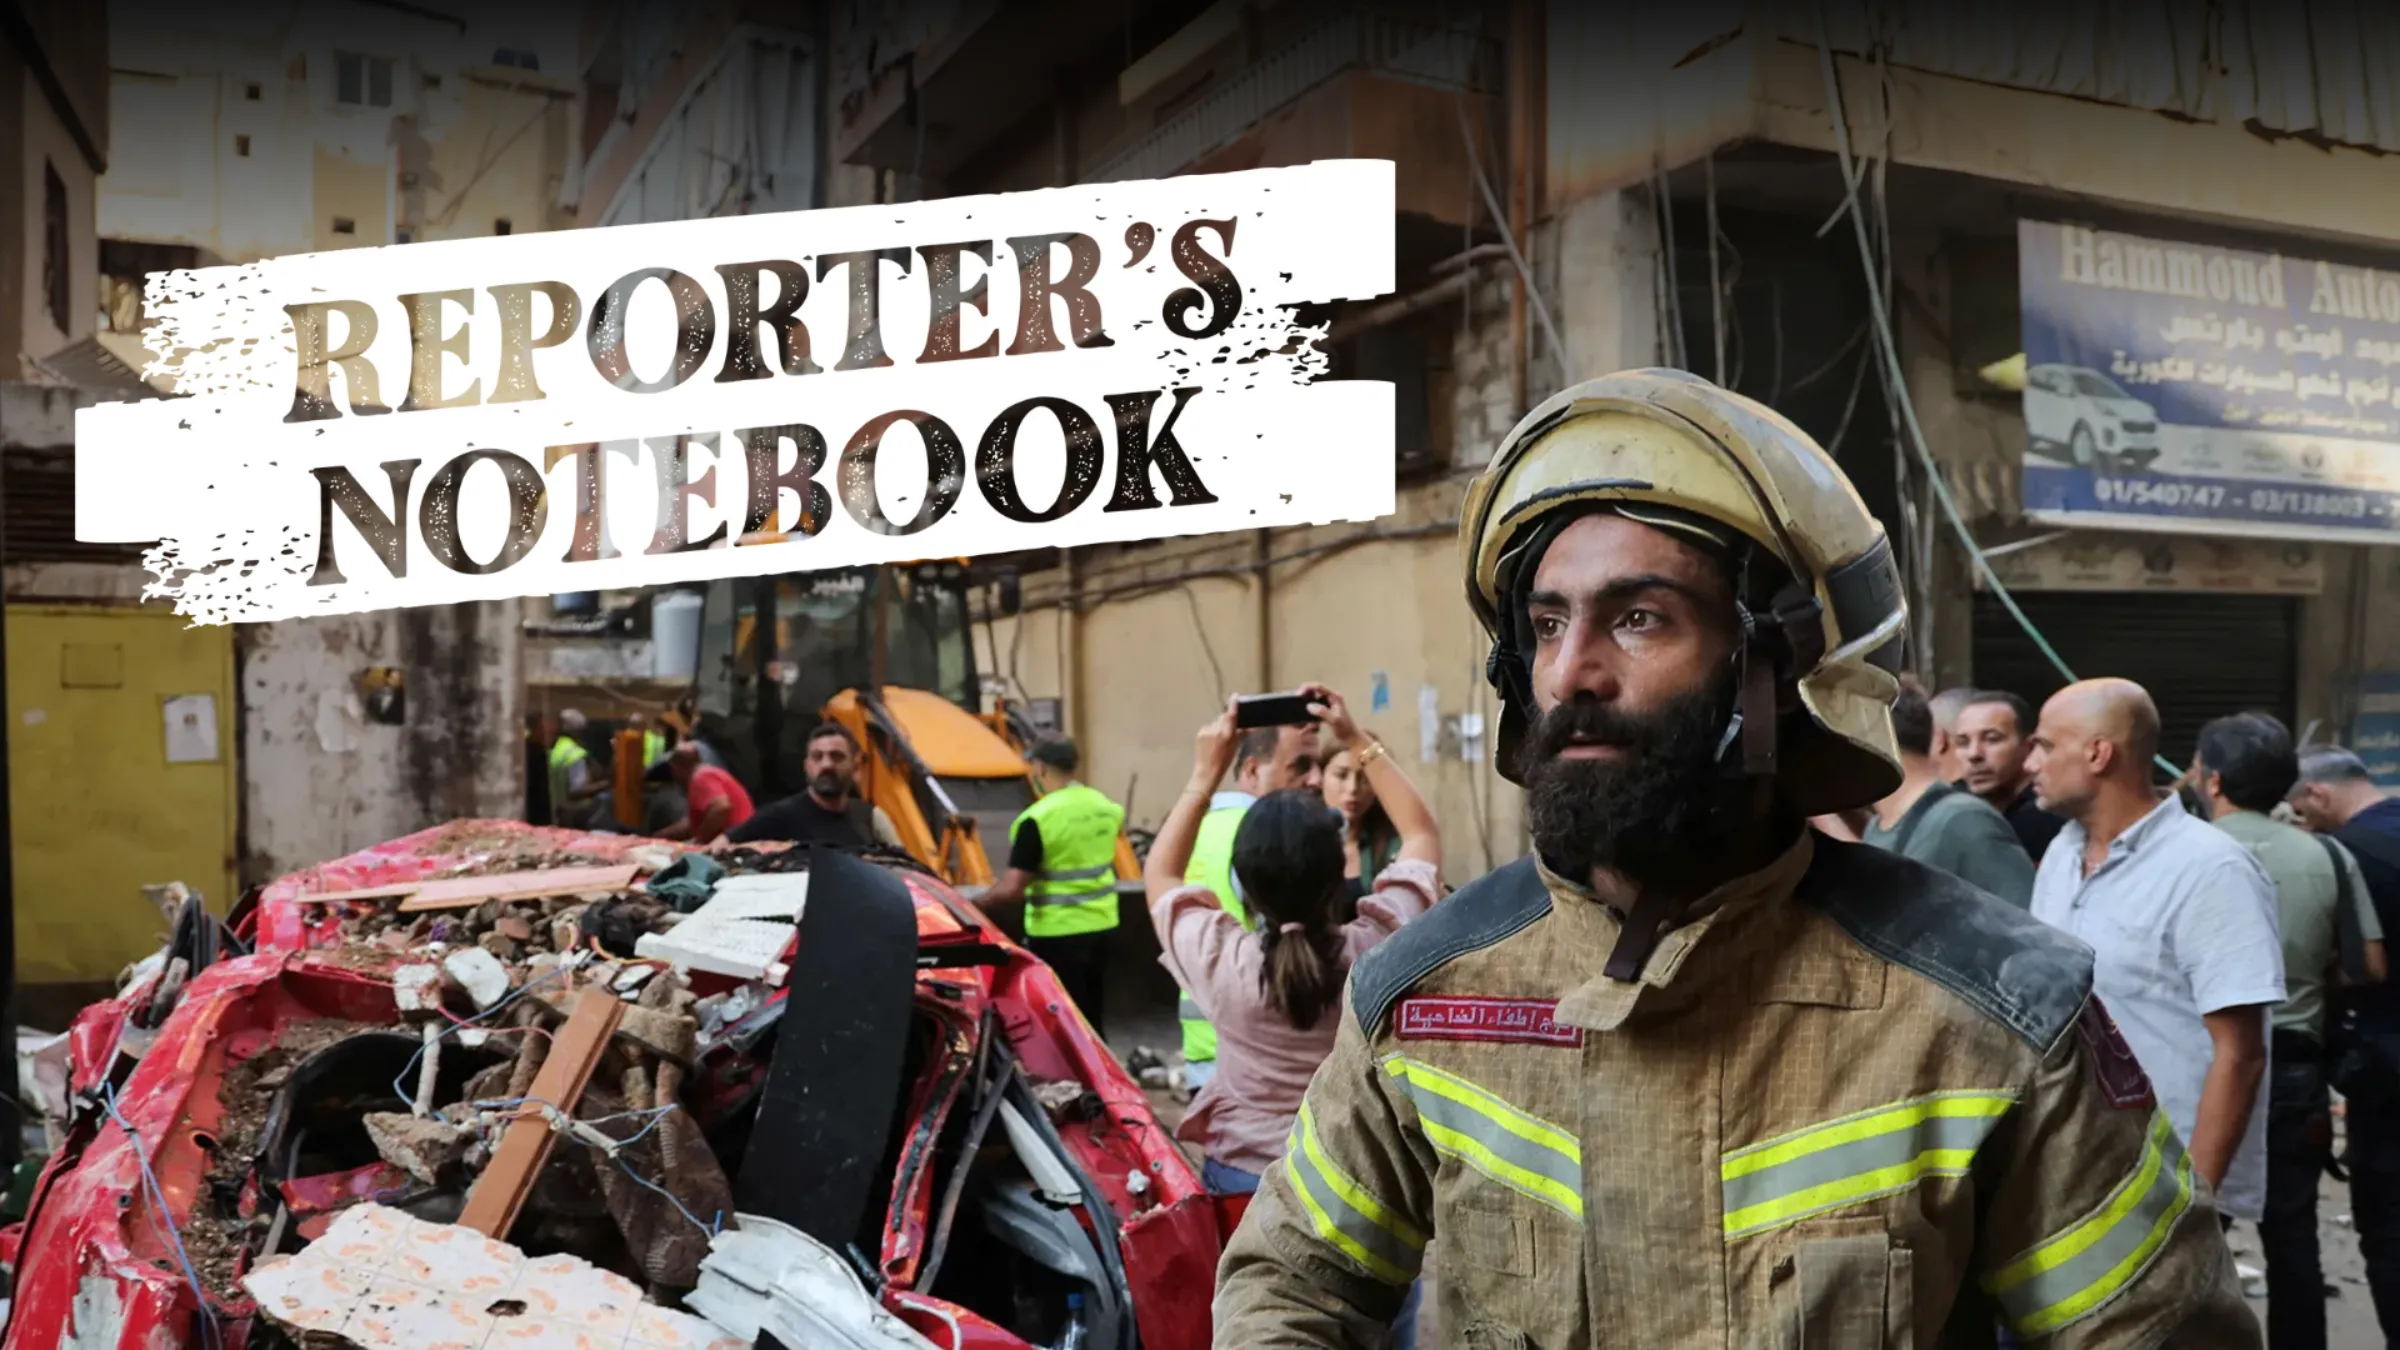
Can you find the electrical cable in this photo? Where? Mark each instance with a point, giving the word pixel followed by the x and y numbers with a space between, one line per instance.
pixel 1666 203
pixel 157 1195
pixel 1716 275
pixel 1895 377
pixel 1200 630
pixel 1491 203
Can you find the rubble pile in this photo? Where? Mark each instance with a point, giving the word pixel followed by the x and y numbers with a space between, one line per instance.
pixel 468 1094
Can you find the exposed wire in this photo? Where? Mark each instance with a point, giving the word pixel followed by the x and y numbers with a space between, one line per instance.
pixel 1200 630
pixel 1895 379
pixel 1491 203
pixel 1666 206
pixel 458 1024
pixel 1716 275
pixel 157 1195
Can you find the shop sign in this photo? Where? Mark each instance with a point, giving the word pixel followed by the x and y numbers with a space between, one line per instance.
pixel 2154 562
pixel 2177 386
pixel 2376 733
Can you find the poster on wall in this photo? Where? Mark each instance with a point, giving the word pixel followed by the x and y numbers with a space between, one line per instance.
pixel 2188 388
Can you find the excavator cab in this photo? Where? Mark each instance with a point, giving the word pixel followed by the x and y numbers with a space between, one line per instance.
pixel 887 653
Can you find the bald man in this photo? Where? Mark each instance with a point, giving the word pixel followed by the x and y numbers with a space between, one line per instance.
pixel 2181 918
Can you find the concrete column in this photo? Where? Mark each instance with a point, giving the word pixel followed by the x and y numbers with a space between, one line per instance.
pixel 1608 286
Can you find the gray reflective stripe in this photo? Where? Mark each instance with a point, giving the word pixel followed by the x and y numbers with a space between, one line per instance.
pixel 2068 1277
pixel 1345 1216
pixel 1079 873
pixel 1521 1151
pixel 1188 1010
pixel 1082 897
pixel 1856 1158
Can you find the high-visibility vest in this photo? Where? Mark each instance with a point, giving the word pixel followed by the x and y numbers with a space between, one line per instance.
pixel 1212 866
pixel 1076 890
pixel 654 747
pixel 565 753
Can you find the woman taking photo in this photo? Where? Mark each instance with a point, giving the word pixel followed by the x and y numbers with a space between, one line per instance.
pixel 1273 994
pixel 1369 842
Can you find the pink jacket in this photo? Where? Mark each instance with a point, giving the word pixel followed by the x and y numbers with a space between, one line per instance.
pixel 1263 1062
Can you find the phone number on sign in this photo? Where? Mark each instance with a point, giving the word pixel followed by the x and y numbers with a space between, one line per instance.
pixel 2209 496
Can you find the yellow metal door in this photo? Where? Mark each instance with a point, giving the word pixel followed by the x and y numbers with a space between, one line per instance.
pixel 120 774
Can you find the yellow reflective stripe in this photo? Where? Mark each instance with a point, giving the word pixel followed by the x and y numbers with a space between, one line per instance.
pixel 1855 1158
pixel 1532 1129
pixel 1341 1224
pixel 1862 1125
pixel 1349 1190
pixel 1476 1154
pixel 2065 1278
pixel 1522 1152
pixel 1850 1190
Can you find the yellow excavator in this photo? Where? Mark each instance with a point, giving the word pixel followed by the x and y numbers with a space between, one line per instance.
pixel 887 653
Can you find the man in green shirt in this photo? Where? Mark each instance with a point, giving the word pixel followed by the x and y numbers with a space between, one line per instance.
pixel 2246 764
pixel 1062 863
pixel 1942 826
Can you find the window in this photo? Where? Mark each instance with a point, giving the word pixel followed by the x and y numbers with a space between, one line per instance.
pixel 502 226
pixel 344 225
pixel 363 80
pixel 252 93
pixel 241 146
pixel 517 57
pixel 56 268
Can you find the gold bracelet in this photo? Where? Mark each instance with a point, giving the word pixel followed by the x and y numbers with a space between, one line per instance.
pixel 1373 752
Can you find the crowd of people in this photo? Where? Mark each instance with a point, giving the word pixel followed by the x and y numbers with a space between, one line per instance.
pixel 2244 964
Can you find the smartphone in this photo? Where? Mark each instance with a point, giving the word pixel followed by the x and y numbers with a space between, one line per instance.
pixel 1271 710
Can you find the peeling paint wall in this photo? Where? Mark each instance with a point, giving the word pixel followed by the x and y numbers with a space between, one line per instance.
pixel 320 780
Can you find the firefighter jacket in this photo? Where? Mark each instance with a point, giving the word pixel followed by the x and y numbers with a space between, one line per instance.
pixel 1851 1102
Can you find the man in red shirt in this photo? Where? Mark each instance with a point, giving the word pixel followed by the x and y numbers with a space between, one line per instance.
pixel 716 801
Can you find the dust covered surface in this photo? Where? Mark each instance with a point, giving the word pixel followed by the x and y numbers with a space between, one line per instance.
pixel 213 1236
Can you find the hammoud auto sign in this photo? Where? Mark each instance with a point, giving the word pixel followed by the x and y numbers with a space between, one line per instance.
pixel 2196 389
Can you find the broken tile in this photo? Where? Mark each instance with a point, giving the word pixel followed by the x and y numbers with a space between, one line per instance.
pixel 382 1280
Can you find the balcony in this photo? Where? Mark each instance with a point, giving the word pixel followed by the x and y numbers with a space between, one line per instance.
pixel 1404 71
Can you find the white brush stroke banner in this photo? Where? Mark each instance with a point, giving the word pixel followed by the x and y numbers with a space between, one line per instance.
pixel 227 486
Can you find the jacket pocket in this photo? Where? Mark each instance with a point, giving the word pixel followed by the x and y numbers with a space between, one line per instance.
pixel 1844 1285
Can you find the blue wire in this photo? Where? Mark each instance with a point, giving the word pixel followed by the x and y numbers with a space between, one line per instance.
pixel 158 1208
pixel 405 1093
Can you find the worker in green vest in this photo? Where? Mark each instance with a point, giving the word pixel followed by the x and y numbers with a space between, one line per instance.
pixel 1062 862
pixel 574 782
pixel 654 741
pixel 1270 760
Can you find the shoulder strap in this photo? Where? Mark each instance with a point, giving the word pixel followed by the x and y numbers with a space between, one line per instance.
pixel 2345 912
pixel 1924 806
pixel 2008 965
pixel 1483 912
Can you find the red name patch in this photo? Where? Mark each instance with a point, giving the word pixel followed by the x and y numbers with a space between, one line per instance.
pixel 1519 1021
pixel 2121 1078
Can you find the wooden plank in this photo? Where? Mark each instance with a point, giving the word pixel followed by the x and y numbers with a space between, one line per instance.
pixel 462 892
pixel 499 1194
pixel 397 888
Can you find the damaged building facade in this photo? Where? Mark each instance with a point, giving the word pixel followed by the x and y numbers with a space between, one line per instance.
pixel 1671 181
pixel 266 133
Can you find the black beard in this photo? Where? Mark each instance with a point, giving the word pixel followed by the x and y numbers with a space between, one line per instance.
pixel 829 785
pixel 1663 803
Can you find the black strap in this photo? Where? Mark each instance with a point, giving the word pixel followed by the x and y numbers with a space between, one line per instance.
pixel 2345 913
pixel 1916 816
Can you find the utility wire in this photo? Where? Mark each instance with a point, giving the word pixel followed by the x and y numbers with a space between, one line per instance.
pixel 1491 203
pixel 1895 377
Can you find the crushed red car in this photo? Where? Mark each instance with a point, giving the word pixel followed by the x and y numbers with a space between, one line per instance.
pixel 887 1074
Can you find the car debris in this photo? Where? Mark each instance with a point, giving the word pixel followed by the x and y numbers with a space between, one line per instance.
pixel 824 1065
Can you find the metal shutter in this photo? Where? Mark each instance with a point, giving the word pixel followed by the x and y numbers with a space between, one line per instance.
pixel 2200 656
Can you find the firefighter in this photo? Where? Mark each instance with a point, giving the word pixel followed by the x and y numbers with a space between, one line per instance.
pixel 1694 1073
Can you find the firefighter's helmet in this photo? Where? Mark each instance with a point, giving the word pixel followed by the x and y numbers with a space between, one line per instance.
pixel 1818 594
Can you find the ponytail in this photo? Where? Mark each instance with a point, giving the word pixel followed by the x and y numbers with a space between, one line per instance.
pixel 1299 975
pixel 1287 866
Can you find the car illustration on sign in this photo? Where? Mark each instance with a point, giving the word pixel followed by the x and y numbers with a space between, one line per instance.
pixel 2080 415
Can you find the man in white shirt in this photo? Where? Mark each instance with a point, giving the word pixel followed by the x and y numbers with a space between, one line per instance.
pixel 2182 923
